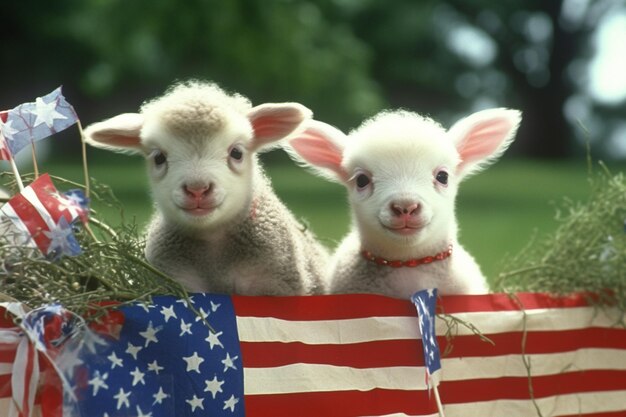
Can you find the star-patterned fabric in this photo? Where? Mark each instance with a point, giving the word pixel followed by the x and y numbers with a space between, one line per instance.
pixel 426 302
pixel 30 122
pixel 168 362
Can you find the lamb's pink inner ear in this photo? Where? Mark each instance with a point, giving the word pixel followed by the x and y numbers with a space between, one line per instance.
pixel 483 140
pixel 122 131
pixel 318 151
pixel 272 122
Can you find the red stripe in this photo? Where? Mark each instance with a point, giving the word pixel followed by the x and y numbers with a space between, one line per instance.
pixel 7 353
pixel 32 220
pixel 340 404
pixel 383 353
pixel 516 388
pixel 5 386
pixel 347 306
pixel 357 355
pixel 46 193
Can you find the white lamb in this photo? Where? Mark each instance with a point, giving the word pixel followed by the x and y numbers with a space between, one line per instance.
pixel 218 225
pixel 402 172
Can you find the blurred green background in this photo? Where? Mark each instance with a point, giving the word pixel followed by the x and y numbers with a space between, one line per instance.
pixel 562 62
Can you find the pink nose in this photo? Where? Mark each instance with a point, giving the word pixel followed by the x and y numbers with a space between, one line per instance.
pixel 198 192
pixel 405 209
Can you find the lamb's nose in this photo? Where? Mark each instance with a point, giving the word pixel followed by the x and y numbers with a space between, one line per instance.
pixel 405 209
pixel 198 192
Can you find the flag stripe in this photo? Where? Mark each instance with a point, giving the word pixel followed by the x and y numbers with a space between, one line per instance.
pixel 343 306
pixel 493 389
pixel 592 404
pixel 377 402
pixel 258 329
pixel 406 352
pixel 32 220
pixel 34 198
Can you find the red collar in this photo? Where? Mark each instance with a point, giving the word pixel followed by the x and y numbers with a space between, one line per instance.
pixel 411 263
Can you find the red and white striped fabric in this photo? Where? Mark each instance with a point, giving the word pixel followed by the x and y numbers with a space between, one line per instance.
pixel 360 355
pixel 38 209
pixel 5 153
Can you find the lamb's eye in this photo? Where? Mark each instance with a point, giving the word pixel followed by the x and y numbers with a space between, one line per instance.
pixel 159 158
pixel 236 153
pixel 442 177
pixel 362 181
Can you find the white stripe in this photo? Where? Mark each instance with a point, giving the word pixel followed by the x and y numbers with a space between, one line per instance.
pixel 7 409
pixel 321 378
pixel 19 234
pixel 317 377
pixel 32 198
pixel 571 404
pixel 6 368
pixel 459 369
pixel 266 329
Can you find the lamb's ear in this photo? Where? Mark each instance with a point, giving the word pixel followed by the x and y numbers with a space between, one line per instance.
pixel 320 146
pixel 119 133
pixel 482 137
pixel 272 122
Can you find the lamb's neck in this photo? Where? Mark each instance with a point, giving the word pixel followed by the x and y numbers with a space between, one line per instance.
pixel 399 249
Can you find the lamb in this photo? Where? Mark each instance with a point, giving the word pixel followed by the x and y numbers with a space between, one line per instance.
pixel 402 172
pixel 218 225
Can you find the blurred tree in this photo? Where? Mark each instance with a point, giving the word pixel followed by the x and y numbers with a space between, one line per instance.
pixel 437 57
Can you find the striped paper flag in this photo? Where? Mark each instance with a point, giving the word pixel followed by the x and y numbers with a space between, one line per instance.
pixel 41 217
pixel 356 355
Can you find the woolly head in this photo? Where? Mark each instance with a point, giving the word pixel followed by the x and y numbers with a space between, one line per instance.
pixel 200 145
pixel 402 170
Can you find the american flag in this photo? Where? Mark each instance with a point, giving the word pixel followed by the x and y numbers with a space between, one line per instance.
pixel 31 122
pixel 355 355
pixel 425 302
pixel 42 217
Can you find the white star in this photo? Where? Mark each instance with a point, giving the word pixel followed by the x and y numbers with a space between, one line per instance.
pixel 141 414
pixel 168 312
pixel 432 355
pixel 213 386
pixel 195 402
pixel 145 307
pixel 228 362
pixel 132 350
pixel 154 366
pixel 150 334
pixel 431 292
pixel 193 362
pixel 138 376
pixel 115 361
pixel 122 398
pixel 213 339
pixel 214 306
pixel 7 130
pixel 183 302
pixel 159 396
pixel 98 381
pixel 184 328
pixel 46 113
pixel 203 315
pixel 230 403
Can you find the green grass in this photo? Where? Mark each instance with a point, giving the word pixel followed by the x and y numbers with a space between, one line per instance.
pixel 498 210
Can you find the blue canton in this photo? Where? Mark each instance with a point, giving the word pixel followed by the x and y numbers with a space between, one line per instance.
pixel 425 302
pixel 168 363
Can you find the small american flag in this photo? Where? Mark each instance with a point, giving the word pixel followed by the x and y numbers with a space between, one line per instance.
pixel 30 122
pixel 42 217
pixel 426 302
pixel 355 355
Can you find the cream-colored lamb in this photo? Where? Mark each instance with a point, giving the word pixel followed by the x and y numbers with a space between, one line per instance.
pixel 218 225
pixel 402 172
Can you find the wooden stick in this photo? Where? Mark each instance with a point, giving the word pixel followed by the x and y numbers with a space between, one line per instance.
pixel 18 178
pixel 35 167
pixel 438 399
pixel 84 149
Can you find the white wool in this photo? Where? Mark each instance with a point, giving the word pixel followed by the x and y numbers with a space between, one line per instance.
pixel 404 212
pixel 218 226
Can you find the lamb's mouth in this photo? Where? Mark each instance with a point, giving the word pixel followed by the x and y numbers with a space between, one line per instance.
pixel 405 229
pixel 199 211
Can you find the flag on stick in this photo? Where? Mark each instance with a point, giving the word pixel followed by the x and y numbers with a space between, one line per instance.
pixel 30 122
pixel 426 302
pixel 44 216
